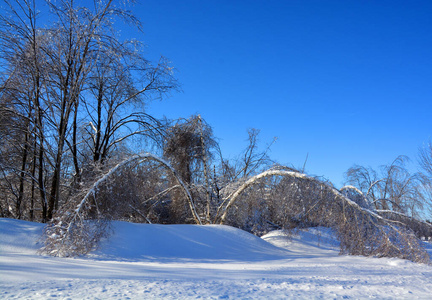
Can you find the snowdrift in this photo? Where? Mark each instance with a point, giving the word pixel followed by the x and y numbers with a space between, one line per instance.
pixel 142 261
pixel 136 242
pixel 165 243
pixel 20 237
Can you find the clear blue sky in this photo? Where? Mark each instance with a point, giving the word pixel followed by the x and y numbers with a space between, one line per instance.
pixel 347 82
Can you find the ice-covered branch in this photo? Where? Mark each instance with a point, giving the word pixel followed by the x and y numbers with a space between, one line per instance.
pixel 143 157
pixel 233 196
pixel 73 234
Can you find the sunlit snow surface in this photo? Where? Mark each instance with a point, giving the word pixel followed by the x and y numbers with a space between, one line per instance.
pixel 142 261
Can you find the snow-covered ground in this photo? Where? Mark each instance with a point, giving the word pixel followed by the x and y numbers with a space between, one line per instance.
pixel 142 261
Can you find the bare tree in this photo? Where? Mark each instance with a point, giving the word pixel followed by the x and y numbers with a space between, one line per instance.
pixel 188 147
pixel 252 159
pixel 120 85
pixel 75 37
pixel 301 200
pixel 21 54
pixel 84 221
pixel 393 188
pixel 425 158
pixel 76 88
pixel 425 161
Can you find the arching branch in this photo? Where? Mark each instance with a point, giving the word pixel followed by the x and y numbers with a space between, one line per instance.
pixel 353 188
pixel 361 230
pixel 364 200
pixel 141 158
pixel 230 199
pixel 71 234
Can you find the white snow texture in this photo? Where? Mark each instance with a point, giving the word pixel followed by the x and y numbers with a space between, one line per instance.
pixel 143 261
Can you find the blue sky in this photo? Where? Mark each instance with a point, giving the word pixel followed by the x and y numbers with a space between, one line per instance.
pixel 344 82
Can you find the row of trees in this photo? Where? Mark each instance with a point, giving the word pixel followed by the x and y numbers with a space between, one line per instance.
pixel 71 93
pixel 72 110
pixel 394 188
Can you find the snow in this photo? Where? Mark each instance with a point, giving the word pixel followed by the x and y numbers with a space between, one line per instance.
pixel 145 261
pixel 174 243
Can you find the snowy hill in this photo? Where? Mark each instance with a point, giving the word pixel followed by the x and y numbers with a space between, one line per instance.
pixel 185 242
pixel 142 261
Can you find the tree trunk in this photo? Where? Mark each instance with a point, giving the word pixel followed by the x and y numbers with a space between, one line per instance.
pixel 75 146
pixel 22 177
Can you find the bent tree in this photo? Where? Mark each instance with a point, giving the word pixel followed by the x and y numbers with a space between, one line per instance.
pixel 361 230
pixel 293 195
pixel 79 227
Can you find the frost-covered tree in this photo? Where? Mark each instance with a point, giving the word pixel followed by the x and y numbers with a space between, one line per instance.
pixel 392 188
pixel 189 147
pixel 78 90
pixel 425 161
pixel 293 200
pixel 22 76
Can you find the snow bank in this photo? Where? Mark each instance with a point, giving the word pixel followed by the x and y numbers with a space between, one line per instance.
pixel 318 241
pixel 143 261
pixel 17 236
pixel 150 242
